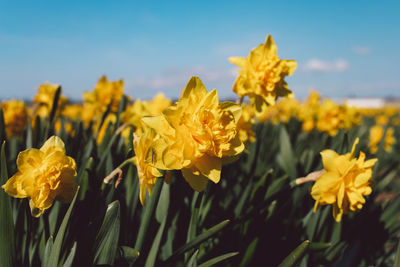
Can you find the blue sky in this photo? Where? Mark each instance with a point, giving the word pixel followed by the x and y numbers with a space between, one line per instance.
pixel 343 48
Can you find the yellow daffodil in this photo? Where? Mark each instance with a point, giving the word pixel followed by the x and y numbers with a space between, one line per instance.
pixel 15 117
pixel 329 117
pixel 133 114
pixel 89 114
pixel 157 105
pixel 72 112
pixel 67 125
pixel 104 93
pixel 109 120
pixel 382 119
pixel 195 135
pixel 146 173
pixel 345 183
pixel 351 117
pixel 44 100
pixel 262 74
pixel 375 136
pixel 245 125
pixel 44 175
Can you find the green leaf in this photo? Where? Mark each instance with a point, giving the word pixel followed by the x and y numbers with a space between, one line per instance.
pixel 128 254
pixel 397 256
pixel 215 260
pixel 161 216
pixel 7 242
pixel 242 201
pixel 197 240
pixel 148 213
pixel 106 242
pixel 152 256
pixel 317 246
pixel 121 108
pixel 103 118
pixel 286 157
pixel 68 262
pixel 193 259
pixel 56 248
pixel 295 255
pixel 3 136
pixel 47 250
pixel 275 187
pixel 248 255
pixel 50 127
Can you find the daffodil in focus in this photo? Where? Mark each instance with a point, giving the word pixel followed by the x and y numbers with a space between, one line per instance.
pixel 44 175
pixel 44 100
pixel 146 173
pixel 195 135
pixel 15 117
pixel 345 183
pixel 261 75
pixel 375 136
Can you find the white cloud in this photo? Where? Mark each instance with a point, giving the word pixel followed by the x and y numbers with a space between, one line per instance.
pixel 317 65
pixel 361 50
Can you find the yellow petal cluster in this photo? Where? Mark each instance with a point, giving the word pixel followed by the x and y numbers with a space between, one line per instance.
pixel 245 125
pixel 44 100
pixel 375 136
pixel 134 113
pixel 146 173
pixel 345 183
pixel 309 110
pixel 281 112
pixel 329 117
pixel 44 175
pixel 195 135
pixel 15 116
pixel 72 112
pixel 262 74
pixel 104 93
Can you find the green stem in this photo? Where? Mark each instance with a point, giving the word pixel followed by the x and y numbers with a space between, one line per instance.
pixel 148 213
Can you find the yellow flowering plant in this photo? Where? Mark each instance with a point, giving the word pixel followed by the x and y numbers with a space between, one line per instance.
pixel 376 133
pixel 105 93
pixel 195 135
pixel 261 75
pixel 344 183
pixel 44 175
pixel 44 100
pixel 146 173
pixel 134 113
pixel 15 116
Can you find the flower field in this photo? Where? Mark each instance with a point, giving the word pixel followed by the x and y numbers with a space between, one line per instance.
pixel 264 180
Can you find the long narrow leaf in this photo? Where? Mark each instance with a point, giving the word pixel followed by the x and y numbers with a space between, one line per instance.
pixel 295 255
pixel 56 249
pixel 197 240
pixel 215 260
pixel 106 242
pixel 7 243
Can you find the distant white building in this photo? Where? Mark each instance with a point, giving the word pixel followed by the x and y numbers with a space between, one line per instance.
pixel 377 102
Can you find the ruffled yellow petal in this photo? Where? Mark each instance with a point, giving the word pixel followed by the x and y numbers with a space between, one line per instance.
pixel 54 143
pixel 196 180
pixel 210 167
